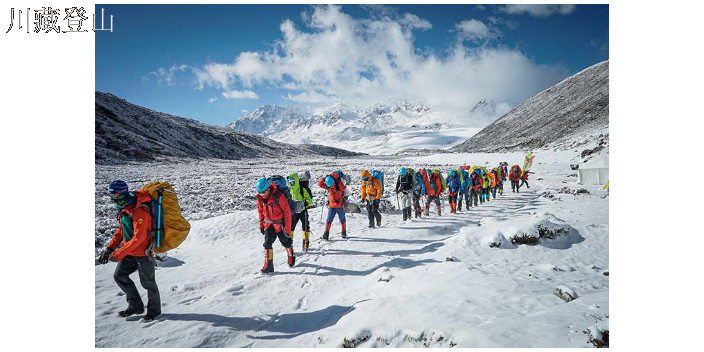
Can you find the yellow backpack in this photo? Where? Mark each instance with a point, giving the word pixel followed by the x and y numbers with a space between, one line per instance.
pixel 169 228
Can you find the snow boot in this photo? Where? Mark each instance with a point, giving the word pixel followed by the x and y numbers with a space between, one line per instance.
pixel 439 210
pixel 371 224
pixel 326 234
pixel 378 223
pixel 291 256
pixel 427 210
pixel 268 261
pixel 343 234
pixel 306 240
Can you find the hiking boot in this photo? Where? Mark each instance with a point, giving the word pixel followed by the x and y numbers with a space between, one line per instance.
pixel 371 224
pixel 291 256
pixel 268 267
pixel 344 234
pixel 268 261
pixel 378 223
pixel 306 240
pixel 130 311
pixel 325 236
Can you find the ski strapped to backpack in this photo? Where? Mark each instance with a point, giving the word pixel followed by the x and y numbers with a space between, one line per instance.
pixel 296 206
pixel 169 228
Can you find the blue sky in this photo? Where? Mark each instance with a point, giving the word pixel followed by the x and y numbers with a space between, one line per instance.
pixel 211 62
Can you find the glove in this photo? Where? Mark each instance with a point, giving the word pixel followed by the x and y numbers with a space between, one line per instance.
pixel 105 256
pixel 377 201
pixel 261 230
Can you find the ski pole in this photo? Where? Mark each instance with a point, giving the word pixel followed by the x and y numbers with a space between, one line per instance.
pixel 397 203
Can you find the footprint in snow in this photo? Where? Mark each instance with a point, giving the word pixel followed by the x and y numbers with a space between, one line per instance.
pixel 236 290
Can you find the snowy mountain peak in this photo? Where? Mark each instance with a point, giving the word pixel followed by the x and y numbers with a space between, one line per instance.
pixel 333 124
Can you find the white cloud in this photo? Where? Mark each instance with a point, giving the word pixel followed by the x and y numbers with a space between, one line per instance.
pixel 510 24
pixel 311 98
pixel 601 46
pixel 244 111
pixel 337 58
pixel 475 30
pixel 166 76
pixel 213 99
pixel 375 10
pixel 239 94
pixel 567 9
pixel 479 7
pixel 414 22
pixel 543 10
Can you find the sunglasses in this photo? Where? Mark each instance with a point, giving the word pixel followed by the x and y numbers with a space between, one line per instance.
pixel 291 181
pixel 118 196
pixel 365 178
pixel 263 193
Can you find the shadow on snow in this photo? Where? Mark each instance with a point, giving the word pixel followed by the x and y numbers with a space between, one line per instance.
pixel 287 325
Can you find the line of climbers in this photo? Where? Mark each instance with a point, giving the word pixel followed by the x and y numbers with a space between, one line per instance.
pixel 150 219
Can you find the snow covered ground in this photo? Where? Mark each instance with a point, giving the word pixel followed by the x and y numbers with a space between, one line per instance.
pixel 394 142
pixel 433 282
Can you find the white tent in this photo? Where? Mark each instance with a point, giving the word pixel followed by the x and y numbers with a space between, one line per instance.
pixel 595 172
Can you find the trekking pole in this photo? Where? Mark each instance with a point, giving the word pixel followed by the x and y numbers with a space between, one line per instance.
pixel 397 203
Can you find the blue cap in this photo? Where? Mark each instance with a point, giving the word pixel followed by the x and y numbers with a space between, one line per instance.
pixel 402 172
pixel 452 172
pixel 118 188
pixel 262 184
pixel 329 181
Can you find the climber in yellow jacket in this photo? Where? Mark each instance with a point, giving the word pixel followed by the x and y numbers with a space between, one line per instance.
pixel 371 195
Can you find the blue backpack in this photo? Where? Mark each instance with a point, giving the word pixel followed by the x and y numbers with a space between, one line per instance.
pixel 452 183
pixel 419 185
pixel 465 179
pixel 296 206
pixel 376 174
